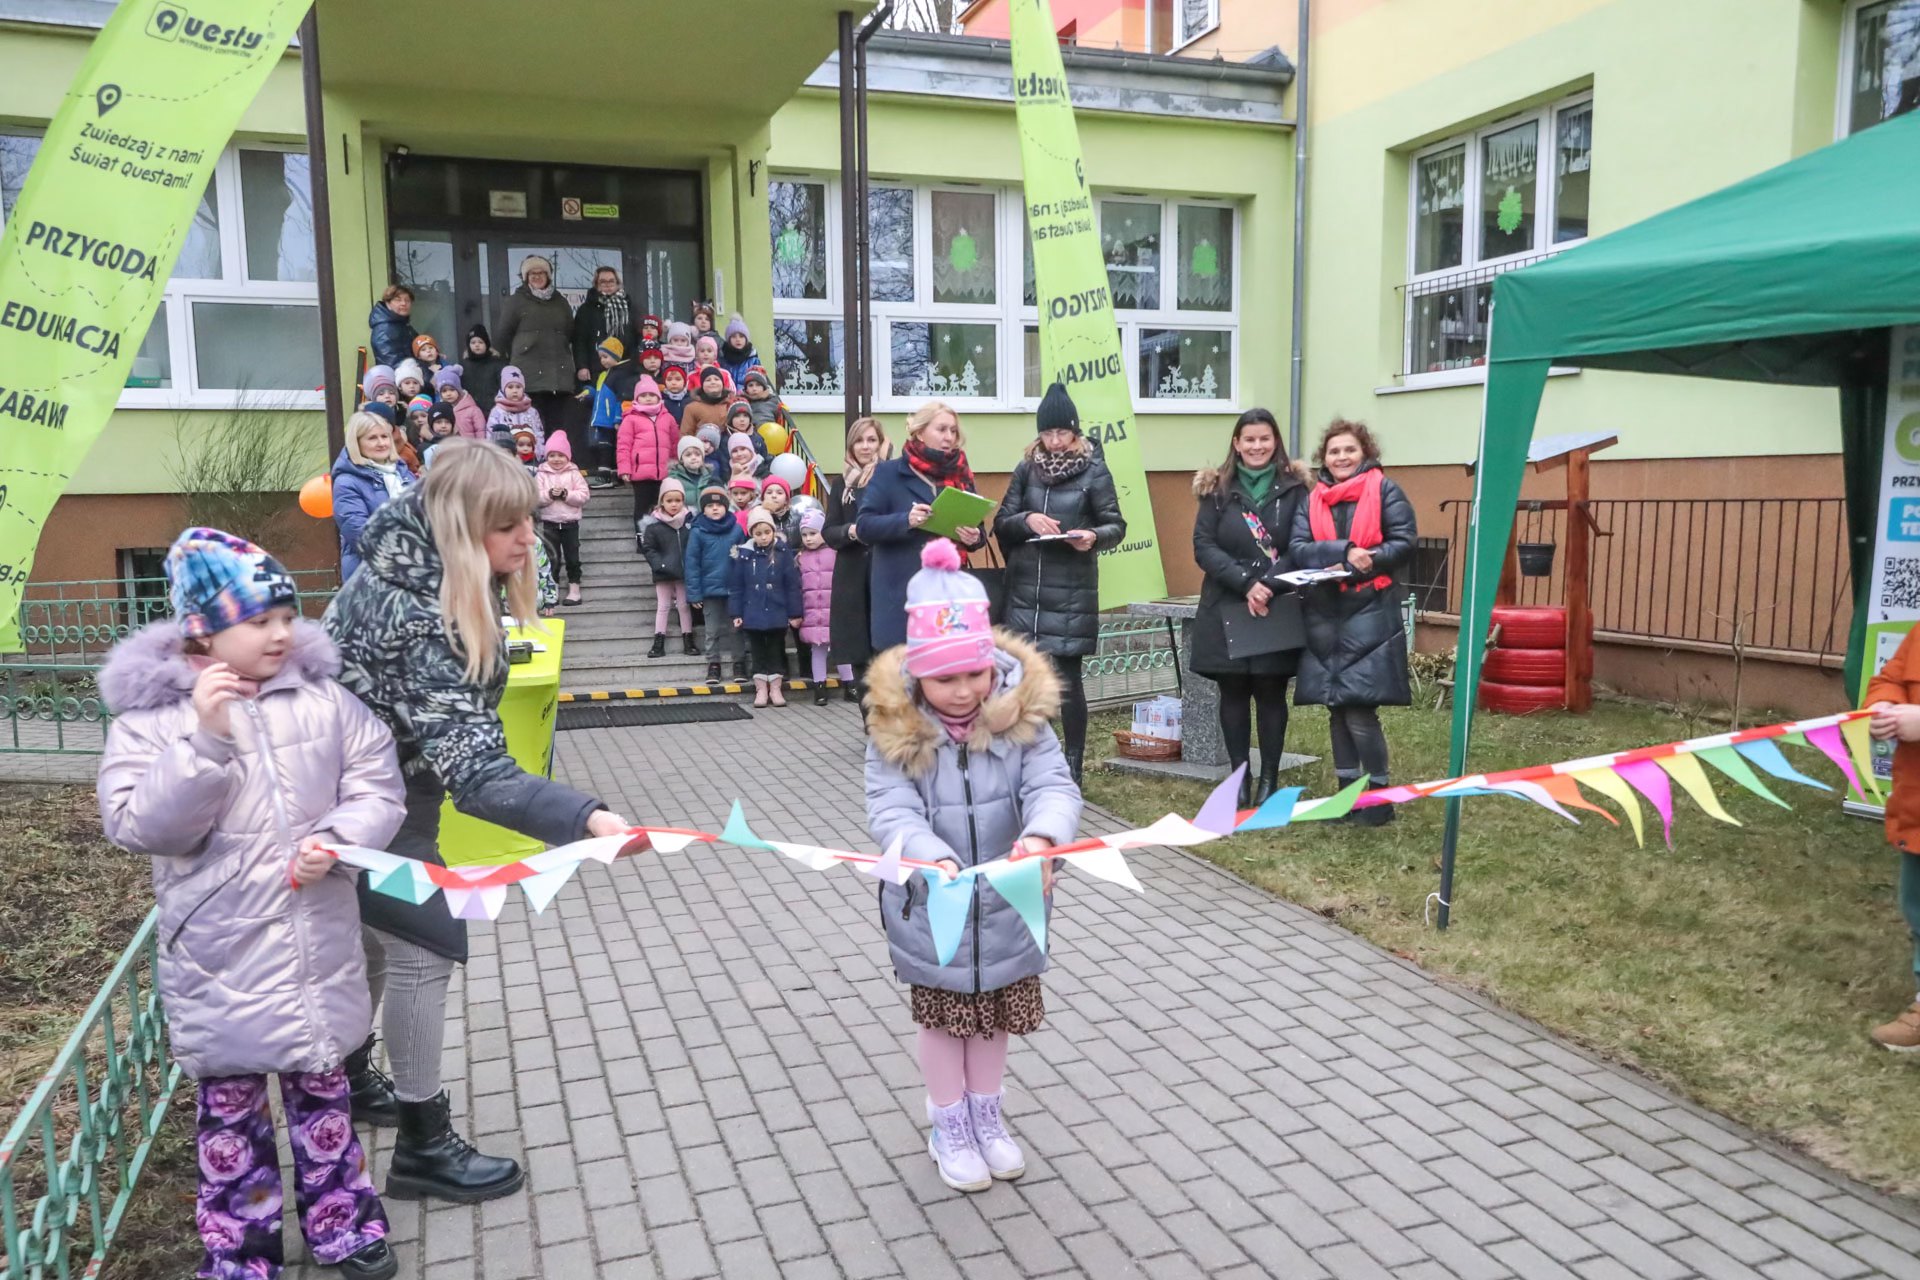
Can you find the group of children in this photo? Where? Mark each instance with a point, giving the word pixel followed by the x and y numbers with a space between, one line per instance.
pixel 688 421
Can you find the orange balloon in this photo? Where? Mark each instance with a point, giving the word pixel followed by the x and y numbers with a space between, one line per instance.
pixel 316 497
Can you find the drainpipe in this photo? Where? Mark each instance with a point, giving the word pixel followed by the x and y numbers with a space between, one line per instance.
pixel 322 234
pixel 849 226
pixel 863 245
pixel 1297 337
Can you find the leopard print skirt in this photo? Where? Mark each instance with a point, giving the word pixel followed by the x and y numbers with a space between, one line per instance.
pixel 1017 1009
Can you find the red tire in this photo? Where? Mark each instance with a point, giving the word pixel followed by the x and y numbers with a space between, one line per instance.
pixel 1520 699
pixel 1538 668
pixel 1533 626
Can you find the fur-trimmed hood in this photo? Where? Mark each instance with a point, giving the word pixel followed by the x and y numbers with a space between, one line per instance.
pixel 151 668
pixel 1026 696
pixel 1207 481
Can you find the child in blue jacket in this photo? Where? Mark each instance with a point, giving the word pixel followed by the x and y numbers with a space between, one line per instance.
pixel 765 600
pixel 715 533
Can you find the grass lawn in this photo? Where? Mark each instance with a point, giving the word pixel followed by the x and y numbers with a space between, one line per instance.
pixel 1742 968
pixel 72 903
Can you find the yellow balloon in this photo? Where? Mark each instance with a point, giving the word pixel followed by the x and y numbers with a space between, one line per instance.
pixel 776 437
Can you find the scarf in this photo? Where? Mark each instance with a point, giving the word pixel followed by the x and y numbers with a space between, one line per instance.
pixel 943 468
pixel 514 404
pixel 615 313
pixel 856 476
pixel 672 522
pixel 958 730
pixel 542 294
pixel 1363 530
pixel 389 473
pixel 1055 468
pixel 1256 483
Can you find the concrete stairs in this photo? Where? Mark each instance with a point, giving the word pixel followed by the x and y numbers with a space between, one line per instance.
pixel 609 631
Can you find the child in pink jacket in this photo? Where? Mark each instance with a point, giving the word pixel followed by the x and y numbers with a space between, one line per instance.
pixel 563 491
pixel 816 593
pixel 649 439
pixel 468 419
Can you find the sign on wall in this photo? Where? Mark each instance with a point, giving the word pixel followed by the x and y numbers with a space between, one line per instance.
pixel 1893 602
pixel 95 233
pixel 1079 342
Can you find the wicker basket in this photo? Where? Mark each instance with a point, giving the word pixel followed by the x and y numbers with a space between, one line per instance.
pixel 1138 746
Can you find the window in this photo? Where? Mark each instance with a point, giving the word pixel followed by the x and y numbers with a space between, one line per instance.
pixel 1879 63
pixel 1173 23
pixel 239 315
pixel 954 311
pixel 1479 204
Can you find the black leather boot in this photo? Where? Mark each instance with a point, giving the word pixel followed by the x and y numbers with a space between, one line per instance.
pixel 1375 815
pixel 659 648
pixel 1076 765
pixel 740 671
pixel 1245 798
pixel 1269 779
pixel 713 673
pixel 374 1262
pixel 431 1160
pixel 372 1100
pixel 688 647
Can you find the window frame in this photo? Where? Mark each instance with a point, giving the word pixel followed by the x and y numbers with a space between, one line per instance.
pixel 232 285
pixel 1849 45
pixel 1009 313
pixel 1181 36
pixel 1545 118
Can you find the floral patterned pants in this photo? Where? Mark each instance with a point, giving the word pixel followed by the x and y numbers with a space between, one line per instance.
pixel 239 1205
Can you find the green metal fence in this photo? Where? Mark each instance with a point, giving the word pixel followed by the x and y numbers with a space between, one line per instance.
pixel 71 1158
pixel 1137 658
pixel 51 708
pixel 78 621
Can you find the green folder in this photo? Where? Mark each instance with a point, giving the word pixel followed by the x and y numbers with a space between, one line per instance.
pixel 957 509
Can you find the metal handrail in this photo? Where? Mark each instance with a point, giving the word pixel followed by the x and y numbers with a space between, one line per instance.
pixel 113 1124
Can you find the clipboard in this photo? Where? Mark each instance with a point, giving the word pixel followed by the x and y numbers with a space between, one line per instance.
pixel 955 509
pixel 1284 627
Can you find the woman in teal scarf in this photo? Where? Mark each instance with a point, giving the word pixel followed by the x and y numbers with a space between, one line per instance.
pixel 1240 533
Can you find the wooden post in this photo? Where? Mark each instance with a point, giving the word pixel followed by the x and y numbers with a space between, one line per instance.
pixel 1579 556
pixel 1508 592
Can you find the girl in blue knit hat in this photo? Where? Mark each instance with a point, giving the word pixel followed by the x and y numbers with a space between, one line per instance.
pixel 232 759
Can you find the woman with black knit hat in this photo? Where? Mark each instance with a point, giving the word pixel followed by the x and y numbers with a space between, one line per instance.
pixel 1061 510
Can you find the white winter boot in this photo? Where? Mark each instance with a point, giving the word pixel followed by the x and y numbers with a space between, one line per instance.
pixel 953 1150
pixel 997 1147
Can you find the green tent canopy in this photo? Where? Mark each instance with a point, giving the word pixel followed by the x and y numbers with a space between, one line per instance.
pixel 1792 276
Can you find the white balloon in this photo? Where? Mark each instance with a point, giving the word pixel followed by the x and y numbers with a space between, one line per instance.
pixel 803 503
pixel 791 468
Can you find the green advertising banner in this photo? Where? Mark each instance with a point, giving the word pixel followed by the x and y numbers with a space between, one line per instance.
pixel 1079 343
pixel 101 219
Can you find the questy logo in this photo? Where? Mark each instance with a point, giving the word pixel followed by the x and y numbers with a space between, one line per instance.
pixel 174 23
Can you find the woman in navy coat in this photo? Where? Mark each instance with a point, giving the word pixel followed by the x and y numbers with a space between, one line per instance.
pixel 897 502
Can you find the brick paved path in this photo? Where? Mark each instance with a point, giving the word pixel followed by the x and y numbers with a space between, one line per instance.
pixel 706 1063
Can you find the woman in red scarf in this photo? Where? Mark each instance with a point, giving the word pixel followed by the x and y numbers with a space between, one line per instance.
pixel 898 500
pixel 1356 656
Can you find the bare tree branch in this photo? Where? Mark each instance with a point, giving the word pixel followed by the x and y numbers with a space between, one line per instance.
pixel 939 16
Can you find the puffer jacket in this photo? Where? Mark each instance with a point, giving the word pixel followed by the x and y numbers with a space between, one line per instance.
pixel 469 419
pixel 816 594
pixel 1225 549
pixel 666 548
pixel 537 335
pixel 256 977
pixel 969 802
pixel 648 445
pixel 1356 654
pixel 358 492
pixel 1053 591
pixel 763 587
pixel 396 655
pixel 390 336
pixel 709 559
pixel 517 422
pixel 570 479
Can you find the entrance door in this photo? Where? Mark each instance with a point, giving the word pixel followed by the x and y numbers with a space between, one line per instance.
pixel 460 229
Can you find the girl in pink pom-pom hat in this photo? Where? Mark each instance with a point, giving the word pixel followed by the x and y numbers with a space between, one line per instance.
pixel 962 768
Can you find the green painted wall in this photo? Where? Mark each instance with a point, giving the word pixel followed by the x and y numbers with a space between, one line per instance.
pixel 1687 98
pixel 926 139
